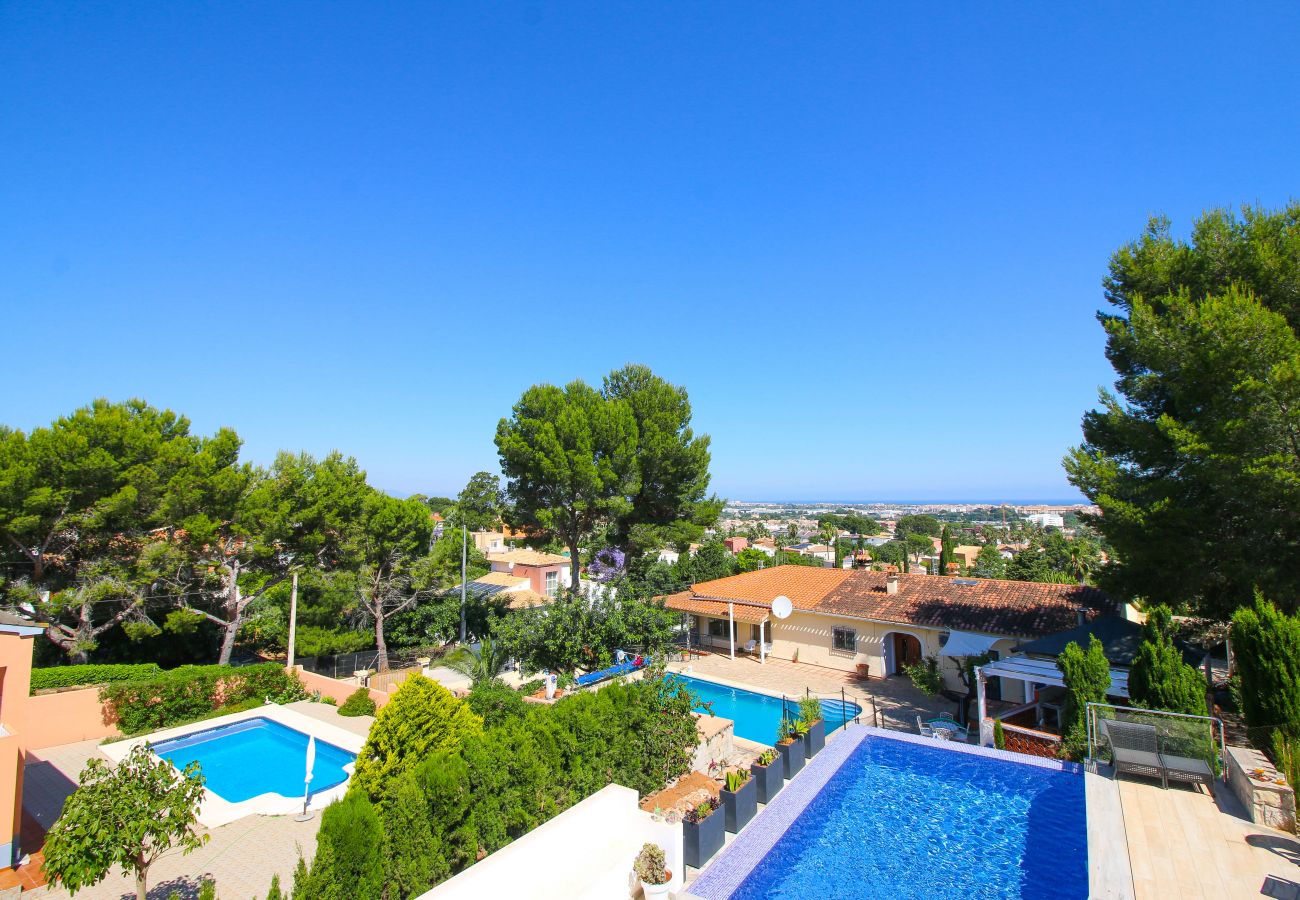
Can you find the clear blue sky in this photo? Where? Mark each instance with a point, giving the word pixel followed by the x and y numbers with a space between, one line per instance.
pixel 869 241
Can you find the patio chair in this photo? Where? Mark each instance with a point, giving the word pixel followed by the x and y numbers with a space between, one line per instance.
pixel 1186 769
pixel 1136 749
pixel 924 729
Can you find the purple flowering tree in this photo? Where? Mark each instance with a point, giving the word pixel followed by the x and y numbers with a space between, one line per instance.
pixel 607 565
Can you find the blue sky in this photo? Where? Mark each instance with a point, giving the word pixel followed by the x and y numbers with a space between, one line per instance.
pixel 869 241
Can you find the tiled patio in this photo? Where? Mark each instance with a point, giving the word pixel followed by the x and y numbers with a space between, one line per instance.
pixel 887 702
pixel 1184 844
pixel 241 857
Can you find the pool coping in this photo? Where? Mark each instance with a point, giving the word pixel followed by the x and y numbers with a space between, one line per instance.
pixel 738 686
pixel 740 858
pixel 215 810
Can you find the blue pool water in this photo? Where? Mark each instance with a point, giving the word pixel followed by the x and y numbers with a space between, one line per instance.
pixel 256 756
pixel 758 715
pixel 901 819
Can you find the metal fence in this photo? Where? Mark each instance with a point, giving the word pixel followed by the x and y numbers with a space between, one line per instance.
pixel 1197 737
pixel 344 665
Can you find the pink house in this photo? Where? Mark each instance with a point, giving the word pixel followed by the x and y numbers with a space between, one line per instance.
pixel 736 544
pixel 546 572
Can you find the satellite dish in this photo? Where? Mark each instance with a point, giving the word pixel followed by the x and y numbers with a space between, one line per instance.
pixel 782 607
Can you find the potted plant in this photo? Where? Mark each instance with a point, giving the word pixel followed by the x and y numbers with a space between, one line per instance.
pixel 739 799
pixel 768 772
pixel 650 870
pixel 814 726
pixel 790 745
pixel 702 832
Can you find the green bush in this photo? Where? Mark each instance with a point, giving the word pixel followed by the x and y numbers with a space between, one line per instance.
pixel 1159 678
pixel 495 703
pixel 354 866
pixel 73 676
pixel 358 704
pixel 925 676
pixel 1266 646
pixel 999 735
pixel 194 692
pixel 421 717
pixel 1087 678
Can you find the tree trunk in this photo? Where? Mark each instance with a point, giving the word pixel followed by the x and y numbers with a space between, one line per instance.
pixel 574 566
pixel 141 891
pixel 230 625
pixel 379 639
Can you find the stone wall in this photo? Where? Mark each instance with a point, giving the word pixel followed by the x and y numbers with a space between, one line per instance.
pixel 1267 802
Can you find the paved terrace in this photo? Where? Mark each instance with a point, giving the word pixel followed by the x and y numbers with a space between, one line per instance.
pixel 241 856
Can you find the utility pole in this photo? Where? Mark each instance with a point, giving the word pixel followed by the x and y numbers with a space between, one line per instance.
pixel 293 616
pixel 464 553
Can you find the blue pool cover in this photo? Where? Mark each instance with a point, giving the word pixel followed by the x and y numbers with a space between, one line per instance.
pixel 878 816
pixel 256 756
pixel 617 669
pixel 758 715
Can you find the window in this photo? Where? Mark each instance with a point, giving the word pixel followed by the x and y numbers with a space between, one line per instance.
pixel 552 583
pixel 718 628
pixel 844 640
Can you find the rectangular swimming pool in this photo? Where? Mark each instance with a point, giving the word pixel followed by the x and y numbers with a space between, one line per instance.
pixel 758 715
pixel 256 756
pixel 881 816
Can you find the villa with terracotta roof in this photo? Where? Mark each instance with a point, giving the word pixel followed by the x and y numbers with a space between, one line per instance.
pixel 845 618
pixel 545 573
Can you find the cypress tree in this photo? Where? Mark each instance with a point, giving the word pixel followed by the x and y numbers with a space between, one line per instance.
pixel 1266 646
pixel 1159 678
pixel 350 850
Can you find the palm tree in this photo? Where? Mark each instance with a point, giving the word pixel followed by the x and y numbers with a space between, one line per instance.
pixel 481 666
pixel 1079 560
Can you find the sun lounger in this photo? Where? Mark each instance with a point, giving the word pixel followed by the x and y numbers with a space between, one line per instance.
pixel 1136 749
pixel 923 729
pixel 628 665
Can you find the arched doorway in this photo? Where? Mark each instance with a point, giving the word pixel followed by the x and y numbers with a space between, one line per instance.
pixel 901 649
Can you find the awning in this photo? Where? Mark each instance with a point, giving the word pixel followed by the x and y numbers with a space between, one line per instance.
pixel 967 643
pixel 1044 671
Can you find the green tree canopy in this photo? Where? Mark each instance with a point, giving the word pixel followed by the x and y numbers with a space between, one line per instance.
pixel 480 505
pixel 1159 678
pixel 917 524
pixel 569 458
pixel 1195 459
pixel 126 816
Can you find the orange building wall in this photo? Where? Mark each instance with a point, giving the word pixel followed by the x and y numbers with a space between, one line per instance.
pixel 16 664
pixel 65 717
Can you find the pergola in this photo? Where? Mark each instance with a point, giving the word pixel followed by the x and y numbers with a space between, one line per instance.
pixel 733 611
pixel 1033 670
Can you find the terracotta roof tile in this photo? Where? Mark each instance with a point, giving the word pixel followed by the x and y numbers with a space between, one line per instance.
pixel 528 558
pixel 804 585
pixel 501 579
pixel 715 609
pixel 1015 608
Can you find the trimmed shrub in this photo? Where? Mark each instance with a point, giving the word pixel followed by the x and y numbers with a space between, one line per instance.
pixel 358 704
pixel 75 676
pixel 496 703
pixel 999 735
pixel 354 867
pixel 1159 679
pixel 1087 678
pixel 193 692
pixel 420 718
pixel 1266 646
pixel 413 852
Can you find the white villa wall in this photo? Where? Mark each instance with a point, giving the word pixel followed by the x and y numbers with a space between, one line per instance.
pixel 806 637
pixel 584 853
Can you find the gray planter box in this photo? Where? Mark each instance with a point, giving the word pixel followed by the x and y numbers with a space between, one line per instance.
pixel 740 806
pixel 791 757
pixel 815 739
pixel 769 779
pixel 700 840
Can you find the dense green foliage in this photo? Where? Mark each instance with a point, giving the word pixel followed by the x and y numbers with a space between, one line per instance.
pixel 925 676
pixel 921 524
pixel 579 633
pixel 358 704
pixel 1266 646
pixel 421 717
pixel 1159 678
pixel 71 676
pixel 454 805
pixel 1195 460
pixel 126 816
pixel 1087 679
pixel 351 829
pixel 192 692
pixel 622 461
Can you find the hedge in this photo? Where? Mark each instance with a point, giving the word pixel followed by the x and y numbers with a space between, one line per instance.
pixel 191 692
pixel 73 676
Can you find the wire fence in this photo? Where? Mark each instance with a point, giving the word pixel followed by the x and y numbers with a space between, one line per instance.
pixel 345 665
pixel 1195 737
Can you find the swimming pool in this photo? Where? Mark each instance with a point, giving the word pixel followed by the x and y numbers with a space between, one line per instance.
pixel 878 815
pixel 758 715
pixel 256 756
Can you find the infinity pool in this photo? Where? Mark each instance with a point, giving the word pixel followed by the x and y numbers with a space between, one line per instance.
pixel 879 816
pixel 758 715
pixel 256 756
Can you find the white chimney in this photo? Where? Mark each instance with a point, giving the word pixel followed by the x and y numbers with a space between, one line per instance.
pixel 891 583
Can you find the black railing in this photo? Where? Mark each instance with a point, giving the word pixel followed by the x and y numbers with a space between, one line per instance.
pixel 343 665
